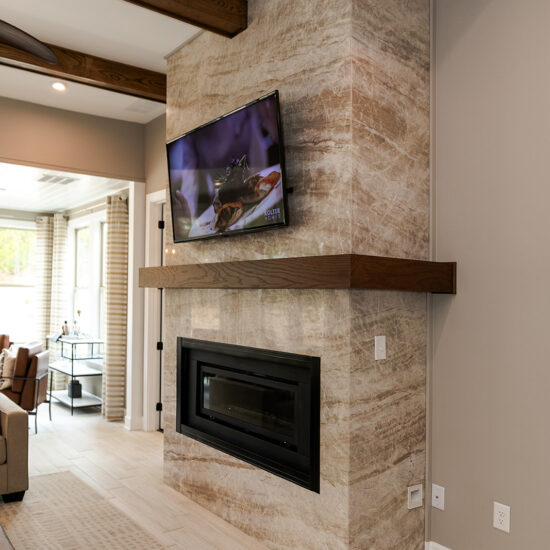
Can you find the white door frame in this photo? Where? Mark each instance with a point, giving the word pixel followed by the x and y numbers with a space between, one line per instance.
pixel 151 326
pixel 133 419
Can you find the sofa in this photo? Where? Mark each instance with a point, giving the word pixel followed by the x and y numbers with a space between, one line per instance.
pixel 14 450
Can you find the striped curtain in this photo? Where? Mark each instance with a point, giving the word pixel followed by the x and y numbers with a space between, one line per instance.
pixel 60 287
pixel 116 308
pixel 44 249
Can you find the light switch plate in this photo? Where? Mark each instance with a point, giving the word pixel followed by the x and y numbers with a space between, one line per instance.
pixel 438 496
pixel 379 347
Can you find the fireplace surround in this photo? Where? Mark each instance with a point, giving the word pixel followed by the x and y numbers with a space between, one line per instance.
pixel 355 81
pixel 258 405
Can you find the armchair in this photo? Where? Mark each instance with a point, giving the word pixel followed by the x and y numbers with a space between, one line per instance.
pixel 4 341
pixel 14 450
pixel 30 380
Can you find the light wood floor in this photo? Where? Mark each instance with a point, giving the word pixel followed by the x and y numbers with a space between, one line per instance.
pixel 126 468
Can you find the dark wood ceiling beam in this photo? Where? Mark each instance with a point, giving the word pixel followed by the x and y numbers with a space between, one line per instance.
pixel 94 71
pixel 225 17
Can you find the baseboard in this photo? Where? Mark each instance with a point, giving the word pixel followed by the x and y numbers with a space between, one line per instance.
pixel 435 546
pixel 133 423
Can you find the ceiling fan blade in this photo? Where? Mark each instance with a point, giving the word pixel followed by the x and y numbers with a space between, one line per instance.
pixel 21 40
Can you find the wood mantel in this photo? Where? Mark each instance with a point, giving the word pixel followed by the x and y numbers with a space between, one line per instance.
pixel 343 271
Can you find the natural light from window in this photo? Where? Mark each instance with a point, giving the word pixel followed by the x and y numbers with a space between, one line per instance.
pixel 87 239
pixel 18 293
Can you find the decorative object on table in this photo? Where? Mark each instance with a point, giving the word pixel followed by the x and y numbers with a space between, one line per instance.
pixel 74 389
pixel 65 329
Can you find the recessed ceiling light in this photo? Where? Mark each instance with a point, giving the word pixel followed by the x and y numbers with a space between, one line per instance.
pixel 59 86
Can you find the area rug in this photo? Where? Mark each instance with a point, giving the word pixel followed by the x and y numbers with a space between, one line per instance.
pixel 60 512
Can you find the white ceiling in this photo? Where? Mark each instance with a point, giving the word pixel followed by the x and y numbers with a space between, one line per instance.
pixel 113 29
pixel 20 189
pixel 35 88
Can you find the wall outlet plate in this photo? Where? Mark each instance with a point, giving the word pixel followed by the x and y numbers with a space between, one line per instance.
pixel 438 496
pixel 501 517
pixel 414 497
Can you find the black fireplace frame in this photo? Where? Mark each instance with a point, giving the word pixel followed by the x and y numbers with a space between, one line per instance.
pixel 297 461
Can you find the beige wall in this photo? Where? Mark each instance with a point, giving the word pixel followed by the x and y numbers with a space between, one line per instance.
pixel 156 166
pixel 491 374
pixel 53 138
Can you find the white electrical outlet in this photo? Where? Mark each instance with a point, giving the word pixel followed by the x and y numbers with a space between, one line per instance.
pixel 501 517
pixel 414 496
pixel 379 347
pixel 438 496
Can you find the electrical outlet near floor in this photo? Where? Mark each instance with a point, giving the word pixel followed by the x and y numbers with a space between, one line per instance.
pixel 501 517
pixel 414 496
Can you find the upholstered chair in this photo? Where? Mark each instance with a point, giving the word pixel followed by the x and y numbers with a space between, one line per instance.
pixel 4 341
pixel 30 379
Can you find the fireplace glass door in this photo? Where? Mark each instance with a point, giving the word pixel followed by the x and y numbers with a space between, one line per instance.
pixel 264 407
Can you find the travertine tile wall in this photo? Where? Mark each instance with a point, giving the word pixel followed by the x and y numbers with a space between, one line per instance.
pixel 390 127
pixel 354 82
pixel 277 512
pixel 303 50
pixel 387 419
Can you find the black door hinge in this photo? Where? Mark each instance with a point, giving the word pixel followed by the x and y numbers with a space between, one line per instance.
pixel 159 407
pixel 161 224
pixel 160 346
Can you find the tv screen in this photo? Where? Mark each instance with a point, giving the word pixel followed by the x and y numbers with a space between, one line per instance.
pixel 228 176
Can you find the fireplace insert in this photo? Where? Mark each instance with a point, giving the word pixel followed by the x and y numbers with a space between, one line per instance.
pixel 258 405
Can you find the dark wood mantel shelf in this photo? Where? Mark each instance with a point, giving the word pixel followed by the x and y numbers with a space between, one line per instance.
pixel 351 271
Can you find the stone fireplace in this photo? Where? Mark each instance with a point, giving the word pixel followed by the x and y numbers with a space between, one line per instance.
pixel 353 76
pixel 261 406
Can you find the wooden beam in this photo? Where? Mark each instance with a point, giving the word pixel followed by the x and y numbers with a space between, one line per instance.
pixel 225 17
pixel 89 69
pixel 348 271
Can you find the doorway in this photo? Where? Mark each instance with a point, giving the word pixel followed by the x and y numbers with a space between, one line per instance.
pixel 152 340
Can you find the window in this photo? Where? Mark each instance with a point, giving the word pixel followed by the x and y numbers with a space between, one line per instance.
pixel 87 239
pixel 18 293
pixel 82 296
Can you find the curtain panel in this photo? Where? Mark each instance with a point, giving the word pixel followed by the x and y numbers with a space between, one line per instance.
pixel 116 309
pixel 60 288
pixel 44 253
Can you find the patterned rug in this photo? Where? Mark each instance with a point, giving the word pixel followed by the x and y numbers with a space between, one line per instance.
pixel 60 512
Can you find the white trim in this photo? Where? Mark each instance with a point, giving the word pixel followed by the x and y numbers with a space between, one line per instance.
pixel 151 325
pixel 135 423
pixel 156 197
pixel 134 351
pixel 9 223
pixel 435 546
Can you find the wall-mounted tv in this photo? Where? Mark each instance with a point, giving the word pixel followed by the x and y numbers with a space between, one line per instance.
pixel 228 176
